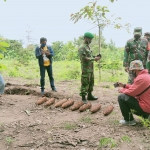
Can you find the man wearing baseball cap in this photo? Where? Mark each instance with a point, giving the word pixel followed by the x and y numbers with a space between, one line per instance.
pixel 135 97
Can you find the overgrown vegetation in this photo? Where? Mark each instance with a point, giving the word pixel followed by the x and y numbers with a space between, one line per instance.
pixel 145 122
pixel 66 61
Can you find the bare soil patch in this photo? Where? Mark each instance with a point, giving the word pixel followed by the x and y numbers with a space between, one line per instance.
pixel 26 126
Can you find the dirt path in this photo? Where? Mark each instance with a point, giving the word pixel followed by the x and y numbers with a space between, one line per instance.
pixel 26 126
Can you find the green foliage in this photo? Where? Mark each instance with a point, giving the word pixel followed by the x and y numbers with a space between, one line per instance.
pixel 17 52
pixel 67 51
pixel 63 70
pixel 23 60
pixel 9 140
pixel 126 139
pixel 71 69
pixel 24 56
pixel 91 12
pixel 107 142
pixel 13 49
pixel 69 126
pixel 112 0
pixel 57 47
pixel 145 122
pixel 97 14
pixel 86 119
pixel 3 46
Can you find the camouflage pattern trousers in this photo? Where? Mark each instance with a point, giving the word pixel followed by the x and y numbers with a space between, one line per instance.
pixel 87 83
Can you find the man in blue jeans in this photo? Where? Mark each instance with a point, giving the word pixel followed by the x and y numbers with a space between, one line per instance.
pixel 44 54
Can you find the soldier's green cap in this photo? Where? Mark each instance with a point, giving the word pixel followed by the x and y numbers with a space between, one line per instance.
pixel 136 65
pixel 88 35
pixel 138 30
pixel 147 33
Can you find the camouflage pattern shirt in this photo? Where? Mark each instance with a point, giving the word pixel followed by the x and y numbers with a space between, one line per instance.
pixel 135 50
pixel 86 58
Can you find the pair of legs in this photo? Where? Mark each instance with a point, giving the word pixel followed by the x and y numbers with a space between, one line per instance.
pixel 87 83
pixel 50 75
pixel 128 106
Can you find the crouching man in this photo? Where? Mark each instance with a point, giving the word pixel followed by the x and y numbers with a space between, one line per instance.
pixel 135 97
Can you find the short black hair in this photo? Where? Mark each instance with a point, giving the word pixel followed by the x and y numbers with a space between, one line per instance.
pixel 42 39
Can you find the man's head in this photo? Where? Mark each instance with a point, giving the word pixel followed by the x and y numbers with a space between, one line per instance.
pixel 137 32
pixel 147 35
pixel 135 67
pixel 88 37
pixel 43 41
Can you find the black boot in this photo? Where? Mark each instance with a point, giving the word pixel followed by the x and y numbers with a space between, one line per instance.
pixel 91 97
pixel 84 99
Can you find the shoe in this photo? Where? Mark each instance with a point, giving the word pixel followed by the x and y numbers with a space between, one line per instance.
pixel 54 90
pixel 130 123
pixel 42 91
pixel 91 97
pixel 84 100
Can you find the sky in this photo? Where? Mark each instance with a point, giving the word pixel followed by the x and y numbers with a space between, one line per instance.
pixel 29 20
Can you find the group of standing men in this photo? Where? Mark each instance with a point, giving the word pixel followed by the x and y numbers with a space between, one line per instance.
pixel 134 95
pixel 137 48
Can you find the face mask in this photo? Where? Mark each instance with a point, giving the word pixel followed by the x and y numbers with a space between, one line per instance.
pixel 88 42
pixel 133 73
pixel 43 45
pixel 137 36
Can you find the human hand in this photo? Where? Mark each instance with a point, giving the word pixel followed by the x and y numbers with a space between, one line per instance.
pixel 120 84
pixel 97 58
pixel 47 53
pixel 119 90
pixel 42 51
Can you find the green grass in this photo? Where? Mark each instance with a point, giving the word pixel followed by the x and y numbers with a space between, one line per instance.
pixel 126 139
pixel 62 70
pixel 69 126
pixel 86 119
pixel 107 142
pixel 9 140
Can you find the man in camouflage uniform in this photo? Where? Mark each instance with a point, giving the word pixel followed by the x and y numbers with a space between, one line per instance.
pixel 87 59
pixel 135 49
pixel 147 36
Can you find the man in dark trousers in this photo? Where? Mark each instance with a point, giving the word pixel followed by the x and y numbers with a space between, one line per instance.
pixel 135 97
pixel 44 54
pixel 87 67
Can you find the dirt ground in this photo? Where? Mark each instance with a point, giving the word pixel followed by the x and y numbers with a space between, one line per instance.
pixel 26 126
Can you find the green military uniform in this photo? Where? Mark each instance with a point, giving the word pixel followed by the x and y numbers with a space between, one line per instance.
pixel 147 34
pixel 86 58
pixel 135 49
pixel 148 62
